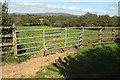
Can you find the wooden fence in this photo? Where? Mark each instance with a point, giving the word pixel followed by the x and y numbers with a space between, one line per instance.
pixel 13 28
pixel 99 38
pixel 100 33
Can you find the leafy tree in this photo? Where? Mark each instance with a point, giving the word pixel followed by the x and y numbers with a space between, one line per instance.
pixel 5 18
pixel 58 24
pixel 88 19
pixel 0 14
pixel 105 20
pixel 46 22
pixel 6 22
pixel 115 21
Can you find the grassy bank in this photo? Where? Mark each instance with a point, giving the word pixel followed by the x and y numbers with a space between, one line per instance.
pixel 92 62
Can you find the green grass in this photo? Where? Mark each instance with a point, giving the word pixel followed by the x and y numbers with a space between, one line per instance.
pixel 22 75
pixel 38 33
pixel 92 62
pixel 9 58
pixel 96 36
pixel 45 73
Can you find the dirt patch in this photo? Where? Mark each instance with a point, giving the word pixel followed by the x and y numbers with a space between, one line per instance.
pixel 30 67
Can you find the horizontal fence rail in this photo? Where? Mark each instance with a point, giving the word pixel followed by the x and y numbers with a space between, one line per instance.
pixel 29 48
pixel 101 27
pixel 55 44
pixel 30 43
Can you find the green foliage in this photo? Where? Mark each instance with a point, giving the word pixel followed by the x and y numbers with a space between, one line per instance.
pixel 87 20
pixel 5 18
pixel 10 58
pixel 6 21
pixel 45 72
pixel 92 62
pixel 22 75
pixel 115 21
pixel 105 20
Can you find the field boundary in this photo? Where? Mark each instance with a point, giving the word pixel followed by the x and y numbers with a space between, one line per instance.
pixel 15 43
pixel 44 31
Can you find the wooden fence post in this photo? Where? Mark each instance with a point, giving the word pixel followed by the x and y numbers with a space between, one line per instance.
pixel 113 34
pixel 14 40
pixel 81 37
pixel 100 36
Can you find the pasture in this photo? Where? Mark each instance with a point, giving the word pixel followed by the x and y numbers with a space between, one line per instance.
pixel 80 63
pixel 56 40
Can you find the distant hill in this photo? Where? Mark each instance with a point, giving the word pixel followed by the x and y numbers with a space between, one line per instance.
pixel 47 14
pixel 55 14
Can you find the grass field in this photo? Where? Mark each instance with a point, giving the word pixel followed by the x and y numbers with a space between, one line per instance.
pixel 92 62
pixel 39 33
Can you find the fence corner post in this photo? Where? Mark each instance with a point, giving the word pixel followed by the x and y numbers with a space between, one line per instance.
pixel 81 37
pixel 100 36
pixel 113 34
pixel 14 40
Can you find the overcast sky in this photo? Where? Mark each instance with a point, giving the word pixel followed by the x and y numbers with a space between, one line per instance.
pixel 76 7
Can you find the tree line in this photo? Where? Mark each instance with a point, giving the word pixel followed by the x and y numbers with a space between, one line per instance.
pixel 88 20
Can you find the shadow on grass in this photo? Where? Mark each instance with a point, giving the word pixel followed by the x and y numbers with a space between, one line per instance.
pixel 97 62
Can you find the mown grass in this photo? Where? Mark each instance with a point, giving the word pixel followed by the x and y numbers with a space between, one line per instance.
pixel 39 33
pixel 92 62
